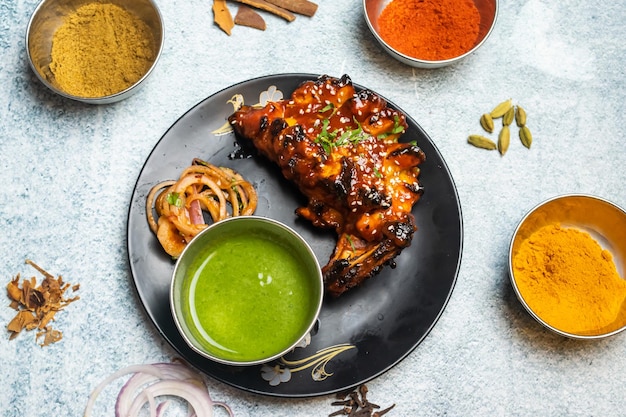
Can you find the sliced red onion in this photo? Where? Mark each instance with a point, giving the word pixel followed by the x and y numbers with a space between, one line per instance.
pixel 224 406
pixel 160 379
pixel 197 397
pixel 160 411
pixel 142 379
pixel 195 213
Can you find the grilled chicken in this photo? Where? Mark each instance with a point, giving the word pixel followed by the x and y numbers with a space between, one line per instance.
pixel 340 147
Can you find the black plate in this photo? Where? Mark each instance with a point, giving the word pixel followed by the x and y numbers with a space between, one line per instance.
pixel 380 322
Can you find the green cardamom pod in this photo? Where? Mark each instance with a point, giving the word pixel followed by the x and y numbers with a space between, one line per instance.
pixel 501 109
pixel 487 122
pixel 481 142
pixel 504 139
pixel 525 136
pixel 520 116
pixel 507 119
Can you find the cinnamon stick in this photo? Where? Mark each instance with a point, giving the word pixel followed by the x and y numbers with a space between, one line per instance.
pixel 247 16
pixel 269 7
pixel 303 7
pixel 222 16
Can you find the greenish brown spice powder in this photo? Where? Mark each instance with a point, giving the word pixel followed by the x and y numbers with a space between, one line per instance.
pixel 99 50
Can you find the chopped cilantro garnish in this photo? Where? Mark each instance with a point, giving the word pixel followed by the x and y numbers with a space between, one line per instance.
pixel 397 128
pixel 329 106
pixel 330 139
pixel 174 199
pixel 349 239
pixel 326 138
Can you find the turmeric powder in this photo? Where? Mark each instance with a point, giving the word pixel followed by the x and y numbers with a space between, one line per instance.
pixel 101 49
pixel 568 280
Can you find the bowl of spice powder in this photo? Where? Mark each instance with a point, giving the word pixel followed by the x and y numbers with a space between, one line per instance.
pixel 94 51
pixel 430 33
pixel 567 266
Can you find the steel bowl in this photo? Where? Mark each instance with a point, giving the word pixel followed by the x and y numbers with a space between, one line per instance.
pixel 603 220
pixel 188 284
pixel 50 15
pixel 488 10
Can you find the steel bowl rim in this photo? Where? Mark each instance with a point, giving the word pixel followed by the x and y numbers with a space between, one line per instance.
pixel 512 275
pixel 424 63
pixel 307 249
pixel 120 95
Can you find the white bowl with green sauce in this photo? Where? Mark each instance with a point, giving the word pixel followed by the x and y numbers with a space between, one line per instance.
pixel 246 291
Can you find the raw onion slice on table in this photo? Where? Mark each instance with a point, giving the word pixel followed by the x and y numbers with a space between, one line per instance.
pixel 149 382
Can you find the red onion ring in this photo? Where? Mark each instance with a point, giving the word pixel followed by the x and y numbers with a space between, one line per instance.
pixel 155 380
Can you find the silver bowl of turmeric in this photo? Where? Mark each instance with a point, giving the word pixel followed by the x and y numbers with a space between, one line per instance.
pixel 430 33
pixel 567 262
pixel 92 51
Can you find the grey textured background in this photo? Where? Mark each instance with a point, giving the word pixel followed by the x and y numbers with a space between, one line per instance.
pixel 68 171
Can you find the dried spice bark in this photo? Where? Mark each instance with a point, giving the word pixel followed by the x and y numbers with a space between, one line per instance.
pixel 246 16
pixel 303 7
pixel 269 7
pixel 222 16
pixel 37 306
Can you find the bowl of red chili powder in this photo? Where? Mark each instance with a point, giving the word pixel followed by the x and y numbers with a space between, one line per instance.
pixel 430 33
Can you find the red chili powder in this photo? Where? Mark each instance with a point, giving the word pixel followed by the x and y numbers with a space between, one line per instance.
pixel 430 29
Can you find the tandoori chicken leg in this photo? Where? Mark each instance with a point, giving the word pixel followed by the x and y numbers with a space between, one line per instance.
pixel 340 147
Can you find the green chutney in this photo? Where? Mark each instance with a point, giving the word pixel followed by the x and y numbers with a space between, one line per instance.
pixel 247 297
